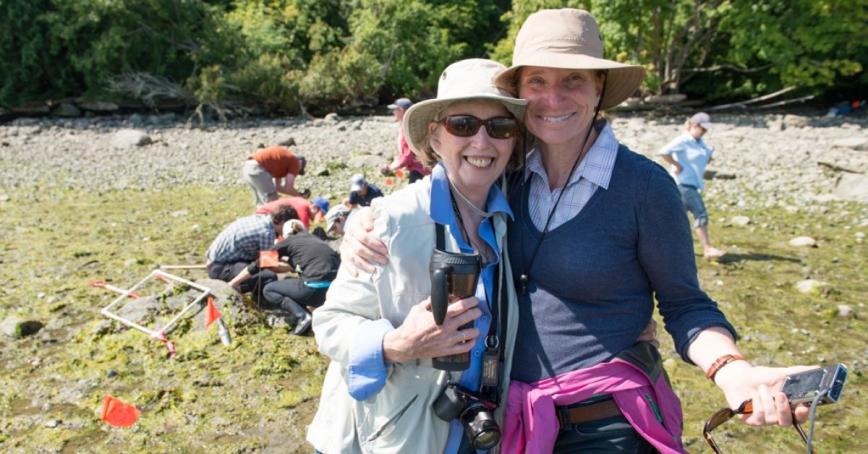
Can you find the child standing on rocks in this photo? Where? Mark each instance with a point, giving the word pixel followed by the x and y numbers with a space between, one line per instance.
pixel 688 155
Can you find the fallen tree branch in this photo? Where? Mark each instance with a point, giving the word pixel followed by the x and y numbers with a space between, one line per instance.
pixel 787 101
pixel 836 167
pixel 754 100
pixel 727 66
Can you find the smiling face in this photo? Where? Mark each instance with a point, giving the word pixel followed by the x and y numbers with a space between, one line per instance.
pixel 472 163
pixel 561 102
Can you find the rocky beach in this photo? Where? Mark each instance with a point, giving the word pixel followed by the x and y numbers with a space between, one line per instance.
pixel 113 197
pixel 785 160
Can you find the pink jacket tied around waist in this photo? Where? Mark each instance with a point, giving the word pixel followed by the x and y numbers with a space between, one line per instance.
pixel 531 421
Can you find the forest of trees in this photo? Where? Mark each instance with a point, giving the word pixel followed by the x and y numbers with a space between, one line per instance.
pixel 295 55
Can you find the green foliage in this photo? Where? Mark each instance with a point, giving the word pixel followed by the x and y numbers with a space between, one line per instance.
pixel 285 54
pixel 32 63
pixel 808 43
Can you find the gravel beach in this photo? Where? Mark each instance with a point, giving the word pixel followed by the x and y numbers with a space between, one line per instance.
pixel 761 160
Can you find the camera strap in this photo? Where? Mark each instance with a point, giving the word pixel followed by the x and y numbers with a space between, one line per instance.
pixel 493 356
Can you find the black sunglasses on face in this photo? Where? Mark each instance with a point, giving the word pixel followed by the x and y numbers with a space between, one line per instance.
pixel 468 126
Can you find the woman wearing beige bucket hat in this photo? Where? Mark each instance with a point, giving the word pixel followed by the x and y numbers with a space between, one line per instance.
pixel 378 328
pixel 599 233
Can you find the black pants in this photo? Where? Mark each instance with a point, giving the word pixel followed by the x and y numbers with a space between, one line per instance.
pixel 257 282
pixel 614 434
pixel 414 175
pixel 295 290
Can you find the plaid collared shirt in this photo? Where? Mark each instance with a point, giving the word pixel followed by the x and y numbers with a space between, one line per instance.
pixel 242 240
pixel 593 172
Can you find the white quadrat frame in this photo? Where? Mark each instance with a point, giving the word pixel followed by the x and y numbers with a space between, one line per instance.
pixel 156 274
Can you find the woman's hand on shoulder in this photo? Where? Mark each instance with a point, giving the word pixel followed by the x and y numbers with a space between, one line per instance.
pixel 361 250
pixel 419 337
pixel 741 381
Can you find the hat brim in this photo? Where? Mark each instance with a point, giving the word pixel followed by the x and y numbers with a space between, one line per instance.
pixel 622 79
pixel 417 118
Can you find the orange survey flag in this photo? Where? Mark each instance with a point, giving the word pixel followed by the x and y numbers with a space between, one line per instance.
pixel 117 413
pixel 268 259
pixel 211 312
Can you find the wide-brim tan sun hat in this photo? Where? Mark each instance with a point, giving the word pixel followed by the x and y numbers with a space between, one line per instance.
pixel 569 38
pixel 464 80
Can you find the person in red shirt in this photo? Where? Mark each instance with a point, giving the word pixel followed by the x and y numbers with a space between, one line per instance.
pixel 405 158
pixel 300 204
pixel 271 170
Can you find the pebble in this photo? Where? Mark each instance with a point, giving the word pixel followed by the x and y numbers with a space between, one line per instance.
pixel 845 311
pixel 803 241
pixel 740 220
pixel 811 286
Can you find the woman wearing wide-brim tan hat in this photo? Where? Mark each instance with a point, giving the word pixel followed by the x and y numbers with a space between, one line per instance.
pixel 600 233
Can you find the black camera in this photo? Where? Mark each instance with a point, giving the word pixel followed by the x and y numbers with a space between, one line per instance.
pixel 476 415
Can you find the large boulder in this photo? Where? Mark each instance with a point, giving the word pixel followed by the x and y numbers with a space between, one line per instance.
pixel 229 302
pixel 17 328
pixel 66 110
pixel 852 186
pixel 128 138
pixel 853 143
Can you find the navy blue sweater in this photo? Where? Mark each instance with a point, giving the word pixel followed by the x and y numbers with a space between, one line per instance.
pixel 592 285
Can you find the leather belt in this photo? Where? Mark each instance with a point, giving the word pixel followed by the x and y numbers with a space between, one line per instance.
pixel 578 414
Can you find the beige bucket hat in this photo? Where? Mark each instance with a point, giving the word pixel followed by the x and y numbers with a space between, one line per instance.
pixel 464 80
pixel 569 38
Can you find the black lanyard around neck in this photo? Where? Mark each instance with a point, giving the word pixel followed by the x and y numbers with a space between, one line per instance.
pixel 524 201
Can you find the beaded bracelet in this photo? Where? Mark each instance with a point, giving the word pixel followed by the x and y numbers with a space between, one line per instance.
pixel 720 362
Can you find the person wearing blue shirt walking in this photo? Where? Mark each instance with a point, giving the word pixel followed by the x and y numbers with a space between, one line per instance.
pixel 688 155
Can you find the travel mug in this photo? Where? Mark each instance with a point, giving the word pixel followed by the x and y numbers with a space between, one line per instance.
pixel 454 275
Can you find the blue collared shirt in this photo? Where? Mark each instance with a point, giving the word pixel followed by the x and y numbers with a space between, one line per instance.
pixel 693 155
pixel 368 371
pixel 242 240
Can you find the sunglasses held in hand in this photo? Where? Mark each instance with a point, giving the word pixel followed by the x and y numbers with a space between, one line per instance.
pixel 816 386
pixel 468 126
pixel 724 415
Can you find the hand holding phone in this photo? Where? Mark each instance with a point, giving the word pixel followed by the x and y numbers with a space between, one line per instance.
pixel 825 384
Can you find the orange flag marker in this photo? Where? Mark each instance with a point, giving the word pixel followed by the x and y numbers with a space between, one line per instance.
pixel 117 413
pixel 268 259
pixel 211 312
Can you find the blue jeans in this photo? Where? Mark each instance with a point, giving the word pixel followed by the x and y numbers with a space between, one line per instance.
pixel 693 202
pixel 614 434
